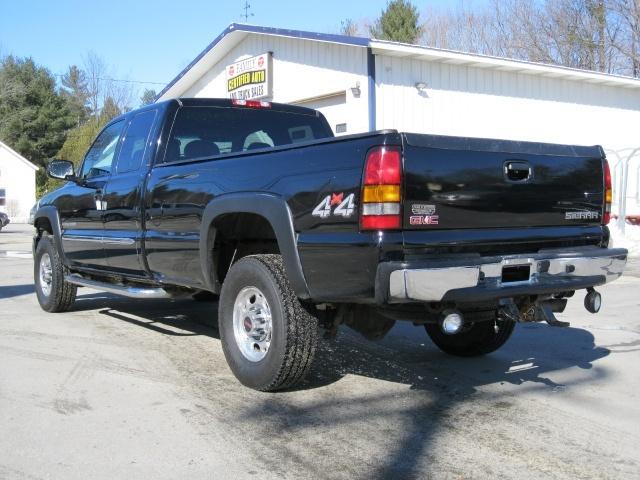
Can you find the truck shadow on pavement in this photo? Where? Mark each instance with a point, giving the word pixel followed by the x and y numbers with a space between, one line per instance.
pixel 422 392
pixel 8 291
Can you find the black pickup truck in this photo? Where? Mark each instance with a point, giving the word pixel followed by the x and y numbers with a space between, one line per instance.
pixel 296 230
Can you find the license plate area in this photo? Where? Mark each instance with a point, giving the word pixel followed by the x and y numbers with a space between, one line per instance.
pixel 516 273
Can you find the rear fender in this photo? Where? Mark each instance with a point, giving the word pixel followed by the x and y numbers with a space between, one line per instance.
pixel 276 211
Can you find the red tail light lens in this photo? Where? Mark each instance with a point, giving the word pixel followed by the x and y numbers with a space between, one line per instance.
pixel 608 194
pixel 380 222
pixel 384 167
pixel 381 192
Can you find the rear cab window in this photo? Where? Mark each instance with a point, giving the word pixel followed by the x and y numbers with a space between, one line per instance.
pixel 209 131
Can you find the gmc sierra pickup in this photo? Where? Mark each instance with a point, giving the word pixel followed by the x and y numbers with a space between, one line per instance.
pixel 296 230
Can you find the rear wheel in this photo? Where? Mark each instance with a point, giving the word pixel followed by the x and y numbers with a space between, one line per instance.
pixel 53 292
pixel 477 338
pixel 269 339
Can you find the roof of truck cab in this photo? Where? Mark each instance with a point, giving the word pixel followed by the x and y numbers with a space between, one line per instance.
pixel 226 102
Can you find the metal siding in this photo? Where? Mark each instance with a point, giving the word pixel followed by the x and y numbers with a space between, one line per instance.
pixel 302 69
pixel 472 101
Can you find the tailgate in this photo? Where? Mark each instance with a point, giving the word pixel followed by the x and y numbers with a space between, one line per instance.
pixel 456 182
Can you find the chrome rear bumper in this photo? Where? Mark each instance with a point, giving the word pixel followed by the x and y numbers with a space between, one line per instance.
pixel 481 278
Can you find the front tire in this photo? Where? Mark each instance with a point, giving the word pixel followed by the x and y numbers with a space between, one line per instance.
pixel 53 292
pixel 268 337
pixel 478 338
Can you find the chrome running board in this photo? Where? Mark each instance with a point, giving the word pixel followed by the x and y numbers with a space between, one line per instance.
pixel 132 292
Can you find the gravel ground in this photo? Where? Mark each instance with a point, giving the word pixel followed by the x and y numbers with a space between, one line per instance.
pixel 140 389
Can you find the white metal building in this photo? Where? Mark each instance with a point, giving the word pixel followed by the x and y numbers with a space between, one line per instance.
pixel 361 84
pixel 17 184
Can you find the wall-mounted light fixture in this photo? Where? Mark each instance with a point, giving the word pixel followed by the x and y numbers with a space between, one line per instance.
pixel 356 90
pixel 421 87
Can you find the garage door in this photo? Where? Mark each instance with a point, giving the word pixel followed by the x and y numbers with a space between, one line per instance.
pixel 333 107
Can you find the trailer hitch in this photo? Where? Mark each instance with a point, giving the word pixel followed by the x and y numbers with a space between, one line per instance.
pixel 544 312
pixel 541 311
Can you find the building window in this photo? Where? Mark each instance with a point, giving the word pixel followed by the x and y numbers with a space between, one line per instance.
pixel 3 197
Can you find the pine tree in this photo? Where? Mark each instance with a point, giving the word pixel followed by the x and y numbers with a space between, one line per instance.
pixel 75 90
pixel 148 97
pixel 34 116
pixel 398 23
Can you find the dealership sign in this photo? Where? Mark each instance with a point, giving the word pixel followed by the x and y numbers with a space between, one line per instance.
pixel 250 78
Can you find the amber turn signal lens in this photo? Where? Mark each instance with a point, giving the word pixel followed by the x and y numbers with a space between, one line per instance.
pixel 381 193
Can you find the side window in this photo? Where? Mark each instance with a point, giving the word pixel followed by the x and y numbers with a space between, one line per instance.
pixel 135 141
pixel 100 156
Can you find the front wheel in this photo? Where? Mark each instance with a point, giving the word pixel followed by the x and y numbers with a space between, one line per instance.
pixel 268 338
pixel 477 338
pixel 53 292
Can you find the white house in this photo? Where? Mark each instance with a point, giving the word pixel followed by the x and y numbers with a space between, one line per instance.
pixel 17 184
pixel 361 84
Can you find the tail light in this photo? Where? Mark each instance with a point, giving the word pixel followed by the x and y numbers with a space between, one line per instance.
pixel 608 194
pixel 381 185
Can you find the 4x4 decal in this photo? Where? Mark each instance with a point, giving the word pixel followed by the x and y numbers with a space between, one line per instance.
pixel 345 206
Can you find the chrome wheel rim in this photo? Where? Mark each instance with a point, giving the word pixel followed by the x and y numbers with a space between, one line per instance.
pixel 46 274
pixel 252 324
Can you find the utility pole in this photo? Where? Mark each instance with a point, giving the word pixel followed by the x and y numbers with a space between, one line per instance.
pixel 246 15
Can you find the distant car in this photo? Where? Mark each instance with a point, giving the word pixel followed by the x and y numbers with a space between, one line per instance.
pixel 4 220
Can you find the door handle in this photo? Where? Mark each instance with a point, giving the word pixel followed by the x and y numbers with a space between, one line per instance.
pixel 517 171
pixel 97 197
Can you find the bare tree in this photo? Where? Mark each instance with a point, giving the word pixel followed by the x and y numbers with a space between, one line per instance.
pixel 349 28
pixel 102 85
pixel 601 35
pixel 627 42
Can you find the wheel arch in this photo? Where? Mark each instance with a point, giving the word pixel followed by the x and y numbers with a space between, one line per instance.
pixel 275 211
pixel 47 219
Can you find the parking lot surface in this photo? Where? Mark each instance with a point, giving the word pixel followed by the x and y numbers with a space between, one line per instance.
pixel 122 388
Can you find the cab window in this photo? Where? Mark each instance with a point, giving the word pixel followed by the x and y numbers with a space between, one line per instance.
pixel 99 158
pixel 210 131
pixel 135 141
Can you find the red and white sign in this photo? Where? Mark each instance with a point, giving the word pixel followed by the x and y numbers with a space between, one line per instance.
pixel 250 78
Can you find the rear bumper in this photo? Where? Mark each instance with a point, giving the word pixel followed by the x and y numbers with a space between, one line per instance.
pixel 481 278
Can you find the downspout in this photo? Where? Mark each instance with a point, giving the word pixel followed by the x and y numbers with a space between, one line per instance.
pixel 371 74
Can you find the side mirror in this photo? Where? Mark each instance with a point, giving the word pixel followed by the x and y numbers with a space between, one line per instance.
pixel 61 169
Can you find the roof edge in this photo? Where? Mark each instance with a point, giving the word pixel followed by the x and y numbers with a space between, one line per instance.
pixel 18 156
pixel 498 62
pixel 283 32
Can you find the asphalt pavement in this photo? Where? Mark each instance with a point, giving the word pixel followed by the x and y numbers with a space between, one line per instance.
pixel 122 388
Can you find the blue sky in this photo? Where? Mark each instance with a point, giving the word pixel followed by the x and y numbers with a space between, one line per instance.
pixel 152 41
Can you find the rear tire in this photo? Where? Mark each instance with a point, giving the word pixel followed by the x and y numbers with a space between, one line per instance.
pixel 478 338
pixel 53 292
pixel 269 339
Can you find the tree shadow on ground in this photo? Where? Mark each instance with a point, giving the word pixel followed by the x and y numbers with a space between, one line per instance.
pixel 438 387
